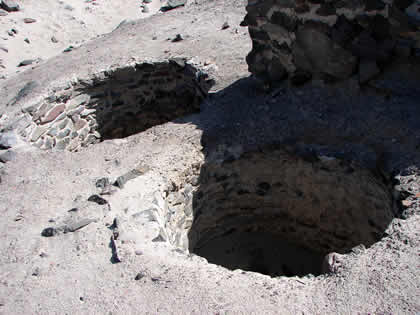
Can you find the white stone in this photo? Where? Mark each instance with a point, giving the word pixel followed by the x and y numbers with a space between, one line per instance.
pixel 76 101
pixel 83 133
pixel 87 112
pixel 63 124
pixel 38 132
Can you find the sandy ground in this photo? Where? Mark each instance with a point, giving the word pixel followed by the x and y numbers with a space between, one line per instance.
pixel 73 273
pixel 70 22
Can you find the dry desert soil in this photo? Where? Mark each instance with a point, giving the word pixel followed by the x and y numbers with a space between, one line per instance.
pixel 294 201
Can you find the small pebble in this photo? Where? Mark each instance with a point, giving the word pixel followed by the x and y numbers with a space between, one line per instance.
pixel 177 38
pixel 68 49
pixel 139 276
pixel 19 217
pixel 48 232
pixel 29 20
pixel 36 272
pixel 26 62
pixel 97 199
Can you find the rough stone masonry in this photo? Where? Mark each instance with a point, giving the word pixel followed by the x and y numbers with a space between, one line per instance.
pixel 330 39
pixel 114 103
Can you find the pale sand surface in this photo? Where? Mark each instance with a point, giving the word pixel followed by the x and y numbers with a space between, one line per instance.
pixel 71 22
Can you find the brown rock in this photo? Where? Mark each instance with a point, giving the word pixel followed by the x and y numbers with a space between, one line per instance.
pixel 53 114
pixel 80 124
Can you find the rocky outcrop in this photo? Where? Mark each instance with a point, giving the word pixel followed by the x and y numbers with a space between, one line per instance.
pixel 329 39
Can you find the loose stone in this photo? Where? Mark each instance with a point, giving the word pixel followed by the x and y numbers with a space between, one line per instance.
pixel 29 20
pixel 97 199
pixel 178 38
pixel 102 182
pixel 139 276
pixel 26 62
pixel 123 179
pixel 49 232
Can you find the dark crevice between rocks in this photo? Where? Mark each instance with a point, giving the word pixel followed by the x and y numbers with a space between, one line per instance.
pixel 275 212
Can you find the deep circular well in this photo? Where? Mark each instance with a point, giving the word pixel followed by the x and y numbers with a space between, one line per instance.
pixel 277 213
pixel 116 103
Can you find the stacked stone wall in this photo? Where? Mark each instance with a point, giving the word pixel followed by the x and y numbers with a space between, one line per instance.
pixel 115 104
pixel 330 39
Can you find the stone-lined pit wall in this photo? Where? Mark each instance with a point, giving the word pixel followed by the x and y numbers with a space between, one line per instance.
pixel 278 205
pixel 115 104
pixel 329 39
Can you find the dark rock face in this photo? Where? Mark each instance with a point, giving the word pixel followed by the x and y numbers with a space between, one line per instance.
pixel 328 39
